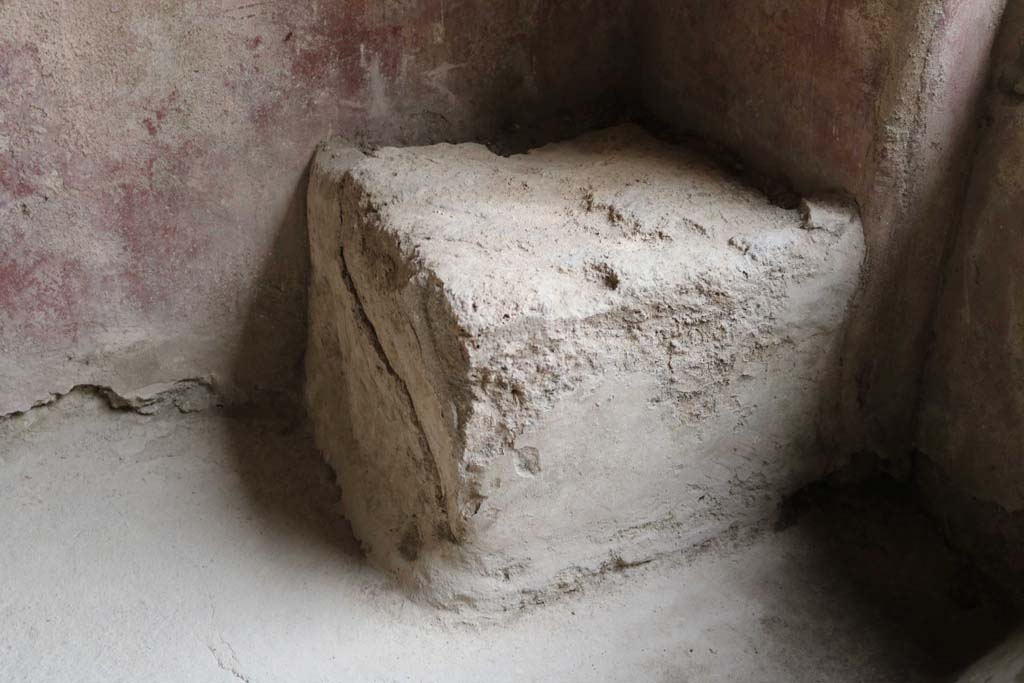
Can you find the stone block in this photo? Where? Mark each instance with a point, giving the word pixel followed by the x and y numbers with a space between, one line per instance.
pixel 529 370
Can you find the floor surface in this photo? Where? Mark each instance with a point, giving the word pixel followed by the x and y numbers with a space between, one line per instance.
pixel 209 548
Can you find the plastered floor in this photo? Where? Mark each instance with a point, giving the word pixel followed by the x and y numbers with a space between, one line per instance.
pixel 207 548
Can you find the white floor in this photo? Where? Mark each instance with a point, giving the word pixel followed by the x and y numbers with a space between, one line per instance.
pixel 206 548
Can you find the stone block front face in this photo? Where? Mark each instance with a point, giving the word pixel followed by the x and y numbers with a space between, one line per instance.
pixel 533 369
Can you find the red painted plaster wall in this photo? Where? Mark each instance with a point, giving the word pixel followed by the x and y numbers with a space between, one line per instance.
pixel 152 158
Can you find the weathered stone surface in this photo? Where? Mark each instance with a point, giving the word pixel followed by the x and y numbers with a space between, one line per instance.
pixel 527 370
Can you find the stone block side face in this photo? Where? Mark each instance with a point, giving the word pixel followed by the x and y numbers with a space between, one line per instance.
pixel 402 307
pixel 367 421
pixel 610 374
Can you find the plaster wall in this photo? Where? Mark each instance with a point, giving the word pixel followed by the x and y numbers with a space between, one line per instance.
pixel 972 412
pixel 876 99
pixel 153 159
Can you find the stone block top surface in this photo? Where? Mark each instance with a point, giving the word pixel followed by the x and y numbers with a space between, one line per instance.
pixel 627 215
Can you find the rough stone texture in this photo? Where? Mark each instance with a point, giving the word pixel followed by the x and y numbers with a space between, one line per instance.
pixel 971 426
pixel 153 159
pixel 531 369
pixel 873 97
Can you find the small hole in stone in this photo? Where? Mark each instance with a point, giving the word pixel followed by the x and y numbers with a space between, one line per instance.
pixel 606 275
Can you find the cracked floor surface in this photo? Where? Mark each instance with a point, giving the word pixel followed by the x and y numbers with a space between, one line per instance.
pixel 209 548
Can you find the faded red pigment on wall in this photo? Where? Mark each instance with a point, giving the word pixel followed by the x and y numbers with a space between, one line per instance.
pixel 152 158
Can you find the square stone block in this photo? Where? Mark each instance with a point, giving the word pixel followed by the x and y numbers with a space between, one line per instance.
pixel 535 369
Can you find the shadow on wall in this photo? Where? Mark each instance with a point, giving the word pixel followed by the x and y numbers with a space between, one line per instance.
pixel 290 486
pixel 287 479
pixel 268 367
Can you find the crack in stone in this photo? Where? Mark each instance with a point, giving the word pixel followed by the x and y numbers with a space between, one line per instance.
pixel 378 347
